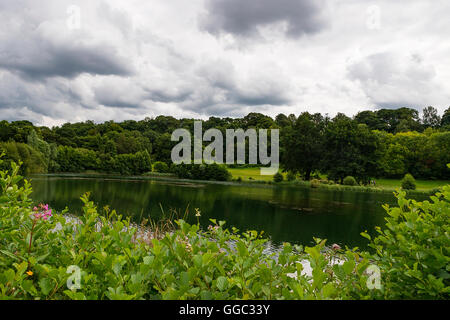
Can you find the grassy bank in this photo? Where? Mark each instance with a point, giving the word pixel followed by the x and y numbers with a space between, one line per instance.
pixel 253 174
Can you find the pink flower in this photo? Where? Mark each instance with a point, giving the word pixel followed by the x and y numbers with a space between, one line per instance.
pixel 43 212
pixel 336 246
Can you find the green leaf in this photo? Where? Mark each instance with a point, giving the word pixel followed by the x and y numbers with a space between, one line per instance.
pixel 21 268
pixel 328 290
pixel 9 254
pixel 348 266
pixel 9 274
pixel 222 283
pixel 241 248
pixel 28 286
pixel 46 286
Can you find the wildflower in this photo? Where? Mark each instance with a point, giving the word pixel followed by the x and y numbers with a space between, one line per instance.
pixel 42 212
pixel 213 228
pixel 197 214
pixel 336 246
pixel 30 273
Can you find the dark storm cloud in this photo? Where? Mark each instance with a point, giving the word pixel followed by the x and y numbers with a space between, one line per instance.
pixel 271 98
pixel 63 61
pixel 167 97
pixel 243 18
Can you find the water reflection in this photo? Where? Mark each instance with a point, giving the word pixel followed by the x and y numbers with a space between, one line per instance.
pixel 289 214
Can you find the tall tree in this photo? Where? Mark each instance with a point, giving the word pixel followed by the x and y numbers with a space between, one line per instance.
pixel 350 150
pixel 303 145
pixel 430 117
pixel 445 121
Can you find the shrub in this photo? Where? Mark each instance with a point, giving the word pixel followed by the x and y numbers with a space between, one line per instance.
pixel 278 177
pixel 161 167
pixel 349 181
pixel 315 183
pixel 291 176
pixel 408 182
pixel 413 253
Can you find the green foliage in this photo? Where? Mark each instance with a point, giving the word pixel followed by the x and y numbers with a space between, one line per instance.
pixel 278 177
pixel 383 143
pixel 349 181
pixel 408 182
pixel 350 150
pixel 391 120
pixel 161 167
pixel 291 176
pixel 37 257
pixel 413 253
pixel 445 120
pixel 33 161
pixel 76 159
pixel 302 144
pixel 315 183
pixel 132 164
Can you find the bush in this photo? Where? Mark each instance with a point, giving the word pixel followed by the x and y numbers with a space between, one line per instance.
pixel 349 181
pixel 408 182
pixel 315 183
pixel 413 253
pixel 291 176
pixel 161 167
pixel 278 177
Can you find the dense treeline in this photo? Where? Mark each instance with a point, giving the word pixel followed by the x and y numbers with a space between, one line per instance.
pixel 382 143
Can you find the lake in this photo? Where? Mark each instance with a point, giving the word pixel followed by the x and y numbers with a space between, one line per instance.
pixel 285 213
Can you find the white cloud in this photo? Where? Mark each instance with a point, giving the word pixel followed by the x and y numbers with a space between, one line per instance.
pixel 143 58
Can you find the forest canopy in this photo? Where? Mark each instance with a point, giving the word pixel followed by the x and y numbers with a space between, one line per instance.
pixel 382 143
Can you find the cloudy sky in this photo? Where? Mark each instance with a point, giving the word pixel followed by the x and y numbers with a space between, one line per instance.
pixel 98 60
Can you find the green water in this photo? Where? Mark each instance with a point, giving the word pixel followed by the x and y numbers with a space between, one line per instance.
pixel 286 214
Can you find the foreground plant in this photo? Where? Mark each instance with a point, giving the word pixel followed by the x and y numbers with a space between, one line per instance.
pixel 98 257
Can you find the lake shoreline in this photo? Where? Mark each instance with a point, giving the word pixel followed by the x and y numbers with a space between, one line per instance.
pixel 256 183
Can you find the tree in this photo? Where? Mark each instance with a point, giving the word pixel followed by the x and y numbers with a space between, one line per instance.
pixel 40 145
pixel 369 118
pixel 445 121
pixel 350 150
pixel 33 161
pixel 408 182
pixel 398 120
pixel 303 145
pixel 430 117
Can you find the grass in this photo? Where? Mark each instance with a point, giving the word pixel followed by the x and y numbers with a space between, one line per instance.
pixel 421 184
pixel 249 174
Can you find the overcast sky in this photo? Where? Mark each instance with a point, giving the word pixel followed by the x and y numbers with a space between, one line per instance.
pixel 95 60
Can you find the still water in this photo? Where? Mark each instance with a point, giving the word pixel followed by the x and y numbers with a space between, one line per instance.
pixel 286 214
